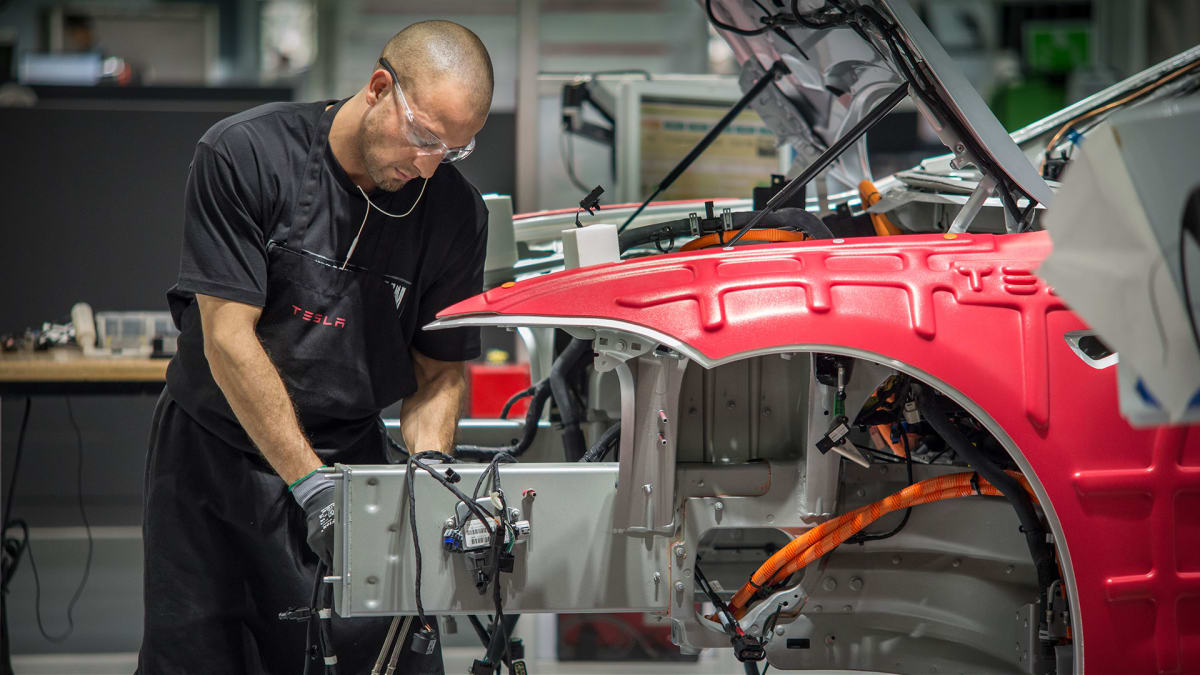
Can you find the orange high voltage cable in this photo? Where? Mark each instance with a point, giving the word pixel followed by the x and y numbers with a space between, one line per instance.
pixel 1108 106
pixel 764 236
pixel 869 196
pixel 804 549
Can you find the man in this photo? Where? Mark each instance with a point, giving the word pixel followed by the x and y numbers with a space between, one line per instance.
pixel 318 239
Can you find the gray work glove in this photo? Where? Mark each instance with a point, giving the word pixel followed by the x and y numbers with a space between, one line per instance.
pixel 314 493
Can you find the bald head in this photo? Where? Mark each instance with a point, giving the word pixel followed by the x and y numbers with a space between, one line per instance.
pixel 443 53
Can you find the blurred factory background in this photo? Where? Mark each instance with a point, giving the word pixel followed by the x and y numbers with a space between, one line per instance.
pixel 101 104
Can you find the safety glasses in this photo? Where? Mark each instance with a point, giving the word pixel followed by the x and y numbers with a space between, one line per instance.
pixel 426 142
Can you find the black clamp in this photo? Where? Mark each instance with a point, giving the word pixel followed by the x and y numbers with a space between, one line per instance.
pixel 589 203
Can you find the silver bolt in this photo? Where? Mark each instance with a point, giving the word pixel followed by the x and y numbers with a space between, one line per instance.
pixel 829 584
pixel 449 523
pixel 679 551
pixel 754 629
pixel 1009 569
pixel 718 506
pixel 679 586
pixel 621 345
pixel 647 488
pixel 895 560
pixel 657 578
pixel 960 148
pixel 779 630
pixel 956 563
pixel 856 583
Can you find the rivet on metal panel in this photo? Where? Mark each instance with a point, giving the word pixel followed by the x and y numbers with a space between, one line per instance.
pixel 829 584
pixel 856 583
pixel 896 560
pixel 779 630
pixel 956 563
pixel 647 488
pixel 847 608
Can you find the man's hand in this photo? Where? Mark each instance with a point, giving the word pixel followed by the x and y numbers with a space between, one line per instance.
pixel 314 493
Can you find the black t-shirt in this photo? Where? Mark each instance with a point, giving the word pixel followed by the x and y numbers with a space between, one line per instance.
pixel 245 183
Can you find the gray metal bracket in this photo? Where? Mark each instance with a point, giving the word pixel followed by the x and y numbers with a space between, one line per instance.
pixel 646 478
pixel 974 204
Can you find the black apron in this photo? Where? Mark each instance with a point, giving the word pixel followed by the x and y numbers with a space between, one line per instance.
pixel 333 328
pixel 224 540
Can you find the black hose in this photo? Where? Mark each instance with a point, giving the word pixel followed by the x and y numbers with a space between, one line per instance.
pixel 603 445
pixel 574 444
pixel 485 453
pixel 793 217
pixel 937 415
pixel 573 439
pixel 513 401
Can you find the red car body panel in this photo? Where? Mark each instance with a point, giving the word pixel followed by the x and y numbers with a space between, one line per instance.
pixel 970 311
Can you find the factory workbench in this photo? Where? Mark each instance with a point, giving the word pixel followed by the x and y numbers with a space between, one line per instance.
pixel 65 370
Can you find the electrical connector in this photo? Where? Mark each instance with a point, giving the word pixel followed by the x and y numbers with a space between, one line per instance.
pixel 424 641
pixel 296 614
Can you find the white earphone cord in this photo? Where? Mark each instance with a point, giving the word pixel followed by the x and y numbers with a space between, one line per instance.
pixel 371 205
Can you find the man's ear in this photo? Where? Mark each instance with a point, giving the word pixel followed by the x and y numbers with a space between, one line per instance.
pixel 378 86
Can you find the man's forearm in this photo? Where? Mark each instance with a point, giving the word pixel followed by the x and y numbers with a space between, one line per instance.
pixel 429 418
pixel 262 405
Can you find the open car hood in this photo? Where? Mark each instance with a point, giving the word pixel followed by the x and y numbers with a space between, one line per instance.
pixel 845 56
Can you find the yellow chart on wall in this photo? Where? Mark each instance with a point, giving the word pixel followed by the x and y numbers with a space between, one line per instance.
pixel 743 156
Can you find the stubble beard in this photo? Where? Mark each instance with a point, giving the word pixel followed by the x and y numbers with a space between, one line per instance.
pixel 379 171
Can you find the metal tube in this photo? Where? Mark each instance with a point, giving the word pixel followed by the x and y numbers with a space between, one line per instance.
pixel 819 164
pixel 776 69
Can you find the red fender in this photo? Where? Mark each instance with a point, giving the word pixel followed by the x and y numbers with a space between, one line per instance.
pixel 969 312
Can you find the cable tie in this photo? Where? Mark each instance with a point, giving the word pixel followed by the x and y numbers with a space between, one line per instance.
pixel 975 483
pixel 325 613
pixel 331 660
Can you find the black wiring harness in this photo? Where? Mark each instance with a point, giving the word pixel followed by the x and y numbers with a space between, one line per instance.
pixel 557 385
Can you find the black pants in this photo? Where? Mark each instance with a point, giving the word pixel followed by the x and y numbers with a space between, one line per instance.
pixel 225 553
